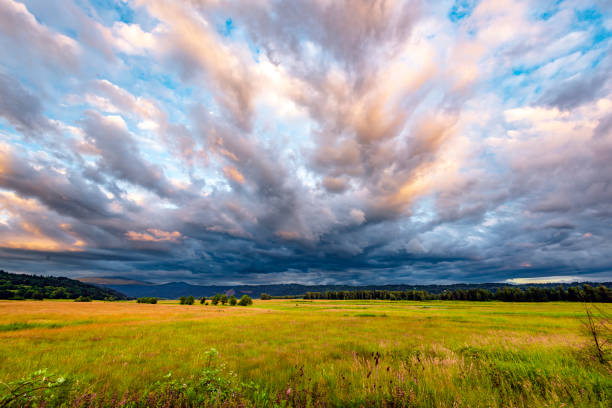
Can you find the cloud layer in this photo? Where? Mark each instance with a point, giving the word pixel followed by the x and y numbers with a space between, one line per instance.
pixel 313 141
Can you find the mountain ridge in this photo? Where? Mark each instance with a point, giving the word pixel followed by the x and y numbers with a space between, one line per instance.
pixel 174 290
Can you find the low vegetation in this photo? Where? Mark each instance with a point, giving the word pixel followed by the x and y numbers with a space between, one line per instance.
pixel 305 353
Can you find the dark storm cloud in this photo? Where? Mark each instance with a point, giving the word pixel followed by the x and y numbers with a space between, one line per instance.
pixel 69 196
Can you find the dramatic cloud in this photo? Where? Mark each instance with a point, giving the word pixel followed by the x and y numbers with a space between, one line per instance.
pixel 309 141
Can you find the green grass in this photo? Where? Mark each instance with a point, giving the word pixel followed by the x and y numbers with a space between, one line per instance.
pixel 321 353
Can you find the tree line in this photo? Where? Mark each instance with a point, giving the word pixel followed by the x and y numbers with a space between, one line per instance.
pixel 585 293
pixel 245 300
pixel 17 286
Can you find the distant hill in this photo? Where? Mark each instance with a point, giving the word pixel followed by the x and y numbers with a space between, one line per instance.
pixel 112 280
pixel 175 290
pixel 17 286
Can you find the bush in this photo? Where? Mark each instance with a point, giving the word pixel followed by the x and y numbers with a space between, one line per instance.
pixel 233 300
pixel 187 300
pixel 245 300
pixel 34 390
pixel 224 299
pixel 213 386
pixel 151 300
pixel 265 296
pixel 83 299
pixel 203 300
pixel 215 299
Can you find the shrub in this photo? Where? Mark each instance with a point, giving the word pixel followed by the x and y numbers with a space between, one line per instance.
pixel 186 300
pixel 245 300
pixel 203 300
pixel 34 390
pixel 215 299
pixel 224 299
pixel 83 299
pixel 233 300
pixel 151 300
pixel 265 296
pixel 213 386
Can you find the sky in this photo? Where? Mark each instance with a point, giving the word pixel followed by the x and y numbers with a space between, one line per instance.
pixel 307 141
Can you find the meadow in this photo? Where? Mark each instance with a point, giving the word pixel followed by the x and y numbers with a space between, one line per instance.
pixel 306 353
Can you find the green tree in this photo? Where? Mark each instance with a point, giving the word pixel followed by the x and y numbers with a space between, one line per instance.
pixel 203 300
pixel 224 299
pixel 215 299
pixel 265 296
pixel 151 300
pixel 37 295
pixel 233 300
pixel 245 300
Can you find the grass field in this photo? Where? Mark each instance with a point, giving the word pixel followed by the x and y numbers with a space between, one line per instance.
pixel 311 353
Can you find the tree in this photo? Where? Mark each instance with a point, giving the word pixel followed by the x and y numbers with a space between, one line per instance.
pixel 151 300
pixel 182 300
pixel 36 295
pixel 215 299
pixel 190 300
pixel 203 300
pixel 265 296
pixel 233 300
pixel 224 299
pixel 59 293
pixel 245 300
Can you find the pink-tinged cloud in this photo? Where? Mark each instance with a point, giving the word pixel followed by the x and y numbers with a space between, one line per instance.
pixel 154 235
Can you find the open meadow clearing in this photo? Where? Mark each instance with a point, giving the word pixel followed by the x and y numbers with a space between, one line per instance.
pixel 309 353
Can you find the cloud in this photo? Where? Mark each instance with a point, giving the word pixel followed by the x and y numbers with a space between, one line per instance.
pixel 119 154
pixel 20 27
pixel 153 235
pixel 21 108
pixel 315 141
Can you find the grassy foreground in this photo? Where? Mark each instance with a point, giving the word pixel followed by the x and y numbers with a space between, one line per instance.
pixel 306 353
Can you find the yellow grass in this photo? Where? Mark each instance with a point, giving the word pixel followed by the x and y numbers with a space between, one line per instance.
pixel 430 353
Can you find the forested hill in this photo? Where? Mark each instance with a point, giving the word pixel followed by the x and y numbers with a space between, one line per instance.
pixel 176 289
pixel 17 286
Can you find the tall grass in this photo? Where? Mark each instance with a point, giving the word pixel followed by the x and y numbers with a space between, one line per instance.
pixel 321 353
